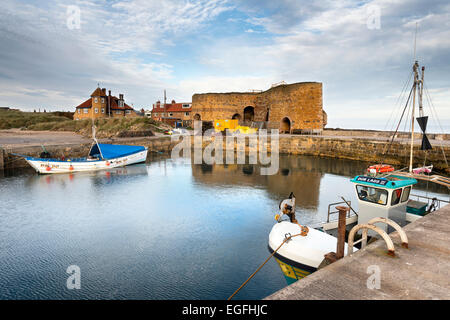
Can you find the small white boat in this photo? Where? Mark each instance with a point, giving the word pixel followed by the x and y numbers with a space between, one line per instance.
pixel 302 254
pixel 101 156
pixel 378 197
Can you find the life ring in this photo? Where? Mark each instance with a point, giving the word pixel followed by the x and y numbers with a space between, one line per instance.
pixel 380 168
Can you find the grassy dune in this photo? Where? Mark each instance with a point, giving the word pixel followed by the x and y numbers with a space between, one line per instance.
pixel 17 119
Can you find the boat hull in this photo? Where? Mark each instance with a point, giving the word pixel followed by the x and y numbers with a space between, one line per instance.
pixel 291 269
pixel 301 255
pixel 50 166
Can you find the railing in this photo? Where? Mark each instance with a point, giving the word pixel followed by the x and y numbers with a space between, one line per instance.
pixel 430 200
pixel 370 226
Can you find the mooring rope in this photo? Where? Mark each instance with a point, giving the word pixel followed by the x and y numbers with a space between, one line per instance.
pixel 262 265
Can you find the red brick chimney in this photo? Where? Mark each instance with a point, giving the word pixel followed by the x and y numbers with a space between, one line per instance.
pixel 109 103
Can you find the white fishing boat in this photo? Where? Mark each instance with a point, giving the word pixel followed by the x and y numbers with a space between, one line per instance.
pixel 300 255
pixel 101 156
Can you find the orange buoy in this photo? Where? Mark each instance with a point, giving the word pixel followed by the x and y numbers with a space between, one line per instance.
pixel 380 168
pixel 48 168
pixel 107 163
pixel 71 167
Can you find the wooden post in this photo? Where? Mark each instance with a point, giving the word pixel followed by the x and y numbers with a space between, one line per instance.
pixel 2 161
pixel 341 231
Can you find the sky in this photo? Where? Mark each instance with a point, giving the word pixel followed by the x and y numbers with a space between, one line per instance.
pixel 54 53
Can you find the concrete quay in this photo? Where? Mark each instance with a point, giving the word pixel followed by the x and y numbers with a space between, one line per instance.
pixel 420 272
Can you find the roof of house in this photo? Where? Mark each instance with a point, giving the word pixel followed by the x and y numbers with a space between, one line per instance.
pixel 98 93
pixel 86 104
pixel 114 104
pixel 172 107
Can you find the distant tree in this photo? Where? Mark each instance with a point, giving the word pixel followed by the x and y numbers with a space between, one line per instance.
pixel 142 110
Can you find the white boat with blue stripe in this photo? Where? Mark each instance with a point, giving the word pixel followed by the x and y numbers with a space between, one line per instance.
pixel 101 156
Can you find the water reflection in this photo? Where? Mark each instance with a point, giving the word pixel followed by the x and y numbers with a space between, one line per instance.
pixel 96 178
pixel 301 175
pixel 161 230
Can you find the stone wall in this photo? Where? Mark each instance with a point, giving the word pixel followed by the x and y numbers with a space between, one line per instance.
pixel 298 104
pixel 353 149
pixel 372 151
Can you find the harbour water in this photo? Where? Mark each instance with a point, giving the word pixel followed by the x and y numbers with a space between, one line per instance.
pixel 161 230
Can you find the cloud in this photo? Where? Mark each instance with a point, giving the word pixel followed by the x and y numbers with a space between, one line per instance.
pixel 142 47
pixel 113 46
pixel 359 67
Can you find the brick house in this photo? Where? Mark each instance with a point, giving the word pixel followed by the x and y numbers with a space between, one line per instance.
pixel 102 105
pixel 172 112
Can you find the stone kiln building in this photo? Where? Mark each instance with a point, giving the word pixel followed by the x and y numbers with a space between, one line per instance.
pixel 291 108
pixel 101 105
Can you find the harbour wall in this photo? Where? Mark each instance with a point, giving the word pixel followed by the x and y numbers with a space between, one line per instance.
pixel 362 149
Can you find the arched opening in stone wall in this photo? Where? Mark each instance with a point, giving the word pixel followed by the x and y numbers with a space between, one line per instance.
pixel 197 117
pixel 249 113
pixel 285 125
pixel 236 116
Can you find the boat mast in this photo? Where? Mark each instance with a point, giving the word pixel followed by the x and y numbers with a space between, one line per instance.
pixel 421 92
pixel 95 139
pixel 416 80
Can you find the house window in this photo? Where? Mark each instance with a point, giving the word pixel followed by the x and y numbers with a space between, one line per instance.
pixel 96 110
pixel 79 110
pixel 128 111
pixel 86 110
pixel 103 100
pixel 186 106
pixel 186 114
pixel 95 99
pixel 103 110
pixel 170 114
pixel 155 114
pixel 118 112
